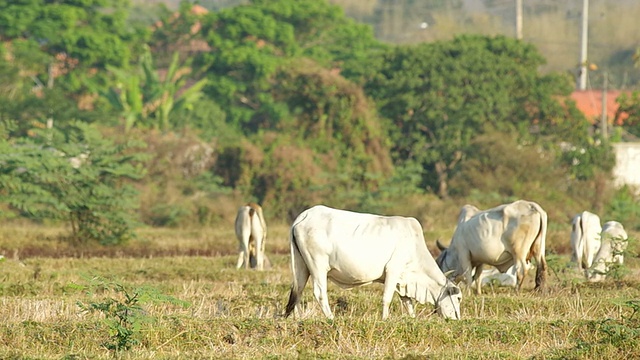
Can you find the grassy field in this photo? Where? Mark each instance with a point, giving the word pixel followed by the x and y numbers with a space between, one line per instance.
pixel 175 294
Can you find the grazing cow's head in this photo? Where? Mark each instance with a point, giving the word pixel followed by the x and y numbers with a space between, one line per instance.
pixel 448 304
pixel 445 259
pixel 598 271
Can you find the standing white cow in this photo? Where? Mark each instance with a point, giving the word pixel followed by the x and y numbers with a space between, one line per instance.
pixel 585 239
pixel 354 249
pixel 506 235
pixel 251 231
pixel 490 276
pixel 614 243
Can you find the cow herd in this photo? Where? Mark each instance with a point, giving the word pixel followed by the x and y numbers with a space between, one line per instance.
pixel 594 247
pixel 353 249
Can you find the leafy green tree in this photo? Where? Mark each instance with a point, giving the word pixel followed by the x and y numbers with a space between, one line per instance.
pixel 70 35
pixel 59 50
pixel 439 96
pixel 79 177
pixel 251 44
pixel 20 105
pixel 331 148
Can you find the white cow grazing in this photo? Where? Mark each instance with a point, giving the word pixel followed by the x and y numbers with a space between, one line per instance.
pixel 585 239
pixel 506 235
pixel 354 249
pixel 251 231
pixel 614 242
pixel 508 278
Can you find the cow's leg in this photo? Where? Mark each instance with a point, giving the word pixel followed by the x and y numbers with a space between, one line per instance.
pixel 259 252
pixel 408 304
pixel 521 272
pixel 390 283
pixel 247 253
pixel 240 259
pixel 320 292
pixel 579 255
pixel 464 268
pixel 477 277
pixel 318 270
pixel 588 257
pixel 243 257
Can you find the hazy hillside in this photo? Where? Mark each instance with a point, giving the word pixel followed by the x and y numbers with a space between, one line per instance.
pixel 555 27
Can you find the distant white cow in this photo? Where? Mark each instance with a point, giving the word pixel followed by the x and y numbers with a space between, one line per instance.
pixel 508 278
pixel 504 236
pixel 251 231
pixel 614 243
pixel 585 239
pixel 354 249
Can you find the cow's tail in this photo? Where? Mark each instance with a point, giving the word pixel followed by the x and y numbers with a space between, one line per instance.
pixel 300 274
pixel 538 249
pixel 256 210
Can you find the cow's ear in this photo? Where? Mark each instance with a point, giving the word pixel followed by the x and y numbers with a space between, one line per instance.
pixel 454 290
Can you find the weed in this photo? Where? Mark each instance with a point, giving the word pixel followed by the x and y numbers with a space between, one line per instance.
pixel 124 314
pixel 619 336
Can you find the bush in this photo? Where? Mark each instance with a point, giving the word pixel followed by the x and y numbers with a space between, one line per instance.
pixel 180 187
pixel 123 313
pixel 77 176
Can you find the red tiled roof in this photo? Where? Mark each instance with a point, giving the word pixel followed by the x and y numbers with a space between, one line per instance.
pixel 590 103
pixel 198 10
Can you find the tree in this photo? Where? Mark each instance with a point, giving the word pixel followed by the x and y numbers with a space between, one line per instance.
pixel 25 102
pixel 79 177
pixel 56 53
pixel 66 44
pixel 630 106
pixel 251 43
pixel 332 147
pixel 439 96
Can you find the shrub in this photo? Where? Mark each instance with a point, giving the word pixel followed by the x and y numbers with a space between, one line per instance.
pixel 123 312
pixel 77 176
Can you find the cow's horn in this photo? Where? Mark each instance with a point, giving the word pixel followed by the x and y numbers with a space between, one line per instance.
pixel 440 246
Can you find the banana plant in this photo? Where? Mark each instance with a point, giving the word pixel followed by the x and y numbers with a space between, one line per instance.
pixel 146 99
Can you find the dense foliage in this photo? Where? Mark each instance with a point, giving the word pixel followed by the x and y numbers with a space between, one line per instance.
pixel 439 96
pixel 288 103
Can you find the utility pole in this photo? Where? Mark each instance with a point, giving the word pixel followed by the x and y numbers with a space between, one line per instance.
pixel 604 122
pixel 582 82
pixel 519 19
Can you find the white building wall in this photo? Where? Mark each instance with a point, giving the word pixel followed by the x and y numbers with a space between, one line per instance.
pixel 627 168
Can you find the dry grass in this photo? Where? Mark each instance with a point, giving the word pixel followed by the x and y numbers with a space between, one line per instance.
pixel 236 313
